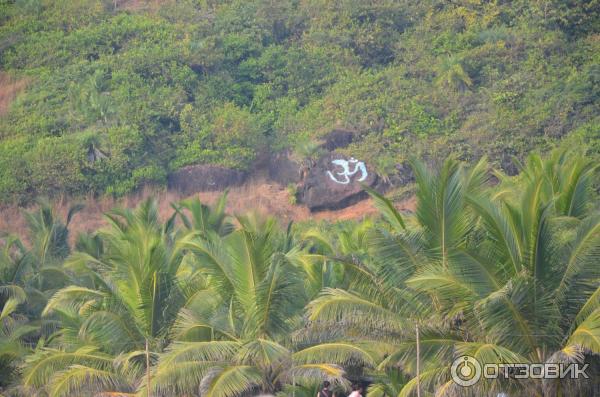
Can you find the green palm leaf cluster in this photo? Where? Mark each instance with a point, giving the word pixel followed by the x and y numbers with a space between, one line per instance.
pixel 506 275
pixel 205 304
pixel 126 297
pixel 234 337
pixel 159 309
pixel 29 275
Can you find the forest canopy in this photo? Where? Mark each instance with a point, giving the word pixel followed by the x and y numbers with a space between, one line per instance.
pixel 120 93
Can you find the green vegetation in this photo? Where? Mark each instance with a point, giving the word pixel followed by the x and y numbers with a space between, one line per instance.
pixel 204 304
pixel 120 93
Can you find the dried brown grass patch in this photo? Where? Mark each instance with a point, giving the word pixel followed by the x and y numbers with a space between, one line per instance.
pixel 10 87
pixel 260 196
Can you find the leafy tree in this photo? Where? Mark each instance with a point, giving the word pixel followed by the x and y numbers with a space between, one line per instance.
pixel 507 277
pixel 234 337
pixel 132 280
pixel 28 277
pixel 204 219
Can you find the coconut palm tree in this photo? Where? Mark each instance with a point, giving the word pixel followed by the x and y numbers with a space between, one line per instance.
pixel 14 327
pixel 330 253
pixel 451 74
pixel 505 277
pixel 133 277
pixel 235 337
pixel 15 264
pixel 28 276
pixel 204 219
pixel 40 270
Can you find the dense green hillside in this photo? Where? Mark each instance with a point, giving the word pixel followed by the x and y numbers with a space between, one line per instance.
pixel 146 88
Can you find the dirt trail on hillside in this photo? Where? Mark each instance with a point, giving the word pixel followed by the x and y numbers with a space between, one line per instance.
pixel 260 196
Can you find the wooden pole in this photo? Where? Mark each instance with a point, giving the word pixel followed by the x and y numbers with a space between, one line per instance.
pixel 418 363
pixel 147 369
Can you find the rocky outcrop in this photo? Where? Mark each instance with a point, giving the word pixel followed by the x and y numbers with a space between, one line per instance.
pixel 198 178
pixel 333 182
pixel 403 176
pixel 336 182
pixel 284 170
pixel 338 139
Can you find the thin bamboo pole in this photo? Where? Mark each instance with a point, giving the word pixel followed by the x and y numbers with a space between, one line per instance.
pixel 418 362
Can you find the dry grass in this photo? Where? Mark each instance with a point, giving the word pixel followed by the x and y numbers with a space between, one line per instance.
pixel 9 88
pixel 258 195
pixel 361 210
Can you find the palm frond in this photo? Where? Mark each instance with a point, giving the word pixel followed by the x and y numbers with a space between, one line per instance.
pixel 262 353
pixel 79 379
pixel 336 353
pixel 587 334
pixel 336 305
pixel 42 366
pixel 230 381
pixel 387 210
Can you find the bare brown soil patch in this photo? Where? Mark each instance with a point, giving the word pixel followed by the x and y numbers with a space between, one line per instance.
pixel 259 196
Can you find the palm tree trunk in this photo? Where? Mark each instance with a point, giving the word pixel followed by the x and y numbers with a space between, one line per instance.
pixel 418 362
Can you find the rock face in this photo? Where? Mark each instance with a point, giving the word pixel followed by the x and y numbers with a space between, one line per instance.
pixel 403 175
pixel 335 182
pixel 197 178
pixel 337 139
pixel 284 170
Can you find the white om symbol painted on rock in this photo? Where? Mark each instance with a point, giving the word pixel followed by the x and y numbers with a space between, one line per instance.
pixel 346 173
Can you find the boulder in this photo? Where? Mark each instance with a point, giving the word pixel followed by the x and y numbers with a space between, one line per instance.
pixel 336 182
pixel 284 170
pixel 338 139
pixel 403 175
pixel 206 177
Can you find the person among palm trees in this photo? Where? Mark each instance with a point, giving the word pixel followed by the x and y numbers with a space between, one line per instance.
pixel 357 391
pixel 325 392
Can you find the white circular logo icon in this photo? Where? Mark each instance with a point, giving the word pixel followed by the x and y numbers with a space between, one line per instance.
pixel 465 371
